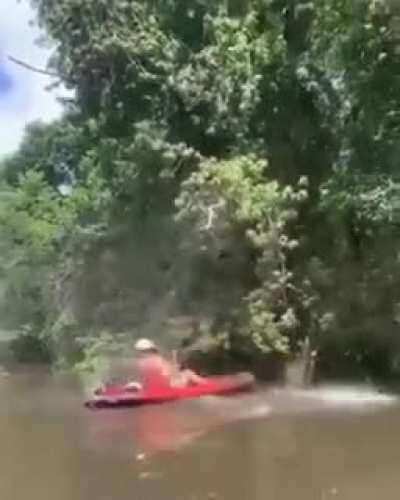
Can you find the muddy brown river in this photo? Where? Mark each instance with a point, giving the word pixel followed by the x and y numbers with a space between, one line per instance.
pixel 276 444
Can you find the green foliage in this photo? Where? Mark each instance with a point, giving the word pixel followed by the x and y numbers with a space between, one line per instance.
pixel 99 350
pixel 233 160
pixel 234 198
pixel 27 347
pixel 31 220
pixel 52 150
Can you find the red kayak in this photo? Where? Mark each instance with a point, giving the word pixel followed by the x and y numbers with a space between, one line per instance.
pixel 118 395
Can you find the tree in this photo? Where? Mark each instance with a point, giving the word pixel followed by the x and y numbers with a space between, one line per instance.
pixel 236 159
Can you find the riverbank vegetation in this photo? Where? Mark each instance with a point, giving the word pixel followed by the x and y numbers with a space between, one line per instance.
pixel 234 163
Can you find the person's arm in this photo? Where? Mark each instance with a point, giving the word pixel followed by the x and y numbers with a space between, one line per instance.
pixel 170 369
pixel 175 360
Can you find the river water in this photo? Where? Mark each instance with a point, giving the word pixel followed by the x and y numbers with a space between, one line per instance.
pixel 275 444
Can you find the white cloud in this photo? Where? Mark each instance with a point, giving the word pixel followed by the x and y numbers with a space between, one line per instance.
pixel 28 99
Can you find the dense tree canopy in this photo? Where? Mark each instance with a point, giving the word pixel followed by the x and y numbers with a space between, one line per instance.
pixel 228 160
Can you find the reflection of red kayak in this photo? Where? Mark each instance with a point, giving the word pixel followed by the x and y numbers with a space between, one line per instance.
pixel 118 395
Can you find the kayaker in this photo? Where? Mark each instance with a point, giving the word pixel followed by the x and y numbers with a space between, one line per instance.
pixel 156 372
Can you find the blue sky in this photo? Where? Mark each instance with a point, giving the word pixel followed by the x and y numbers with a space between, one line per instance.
pixel 23 97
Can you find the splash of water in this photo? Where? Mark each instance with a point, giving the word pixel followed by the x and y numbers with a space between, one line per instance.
pixel 351 395
pixel 328 397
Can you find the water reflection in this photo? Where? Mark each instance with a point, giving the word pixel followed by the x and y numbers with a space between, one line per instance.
pixel 170 426
pixel 277 444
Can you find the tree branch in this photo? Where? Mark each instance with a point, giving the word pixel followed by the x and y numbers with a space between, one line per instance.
pixel 211 215
pixel 35 69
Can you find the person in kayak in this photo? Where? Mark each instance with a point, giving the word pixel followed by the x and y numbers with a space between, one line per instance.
pixel 156 372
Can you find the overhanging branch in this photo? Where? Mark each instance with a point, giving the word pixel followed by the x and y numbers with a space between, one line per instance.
pixel 36 69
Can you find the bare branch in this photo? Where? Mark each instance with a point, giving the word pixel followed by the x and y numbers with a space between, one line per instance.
pixel 35 69
pixel 211 215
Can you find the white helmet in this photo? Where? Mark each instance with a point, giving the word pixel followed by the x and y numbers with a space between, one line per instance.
pixel 145 345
